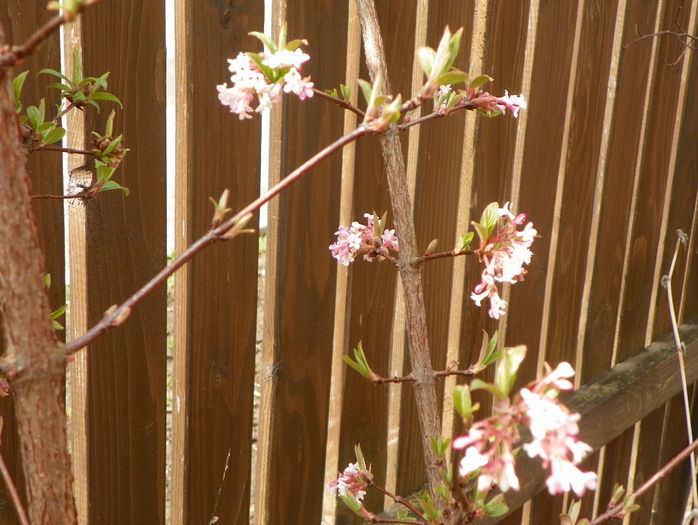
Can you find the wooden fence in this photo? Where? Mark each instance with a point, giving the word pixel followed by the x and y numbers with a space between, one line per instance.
pixel 604 162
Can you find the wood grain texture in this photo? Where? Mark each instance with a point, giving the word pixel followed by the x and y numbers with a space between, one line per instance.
pixel 301 342
pixel 216 294
pixel 642 245
pixel 578 166
pixel 540 162
pixel 122 378
pixel 19 20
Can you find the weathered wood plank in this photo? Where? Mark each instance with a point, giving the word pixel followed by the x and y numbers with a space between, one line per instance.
pixel 119 383
pixel 297 348
pixel 216 294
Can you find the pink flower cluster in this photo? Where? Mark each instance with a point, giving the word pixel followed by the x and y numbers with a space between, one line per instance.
pixel 363 239
pixel 554 430
pixel 489 447
pixel 491 104
pixel 249 81
pixel 489 443
pixel 504 253
pixel 349 482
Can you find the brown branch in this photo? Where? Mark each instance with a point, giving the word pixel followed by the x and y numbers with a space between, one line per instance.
pixel 399 500
pixel 12 55
pixel 14 494
pixel 441 255
pixel 340 102
pixel 440 112
pixel 62 197
pixel 409 378
pixel 653 480
pixel 117 314
pixel 418 340
pixel 63 111
pixel 73 151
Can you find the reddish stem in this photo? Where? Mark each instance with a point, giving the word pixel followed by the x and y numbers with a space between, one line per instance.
pixel 400 501
pixel 653 480
pixel 116 315
pixel 441 255
pixel 12 55
pixel 340 102
pixel 64 150
pixel 14 494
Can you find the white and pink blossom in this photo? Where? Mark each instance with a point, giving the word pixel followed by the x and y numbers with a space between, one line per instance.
pixel 504 255
pixel 363 239
pixel 350 481
pixel 250 82
pixel 513 103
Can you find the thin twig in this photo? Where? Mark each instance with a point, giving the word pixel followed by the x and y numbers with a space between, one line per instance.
pixel 117 314
pixel 73 151
pixel 441 255
pixel 62 197
pixel 399 500
pixel 409 378
pixel 666 281
pixel 14 54
pixel 21 513
pixel 441 112
pixel 63 112
pixel 653 480
pixel 340 102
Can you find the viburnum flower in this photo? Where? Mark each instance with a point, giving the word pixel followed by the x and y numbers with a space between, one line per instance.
pixel 264 76
pixel 554 430
pixel 489 449
pixel 371 240
pixel 493 105
pixel 490 443
pixel 504 250
pixel 351 481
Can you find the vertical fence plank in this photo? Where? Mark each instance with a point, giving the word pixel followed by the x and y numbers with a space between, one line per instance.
pixel 298 348
pixel 120 380
pixel 19 20
pixel 216 293
pixel 652 167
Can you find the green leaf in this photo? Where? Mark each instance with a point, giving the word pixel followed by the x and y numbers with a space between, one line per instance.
pixel 55 73
pixel 33 115
pixel 496 506
pixel 490 217
pixel 58 312
pixel 56 325
pixel 61 87
pixel 439 445
pixel 508 366
pixel 103 95
pixel 453 76
pixel 480 81
pixel 331 92
pixel 365 89
pixel 346 92
pixel 268 72
pixel 112 145
pixel 268 42
pixel 53 136
pixel 426 56
pixel 491 352
pixel 463 402
pixel 17 84
pixel 479 384
pixel 295 44
pixel 109 127
pixel 47 280
pixel 454 46
pixel 465 242
pixel 113 185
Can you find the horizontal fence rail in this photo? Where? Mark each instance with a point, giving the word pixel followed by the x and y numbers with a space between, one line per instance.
pixel 603 162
